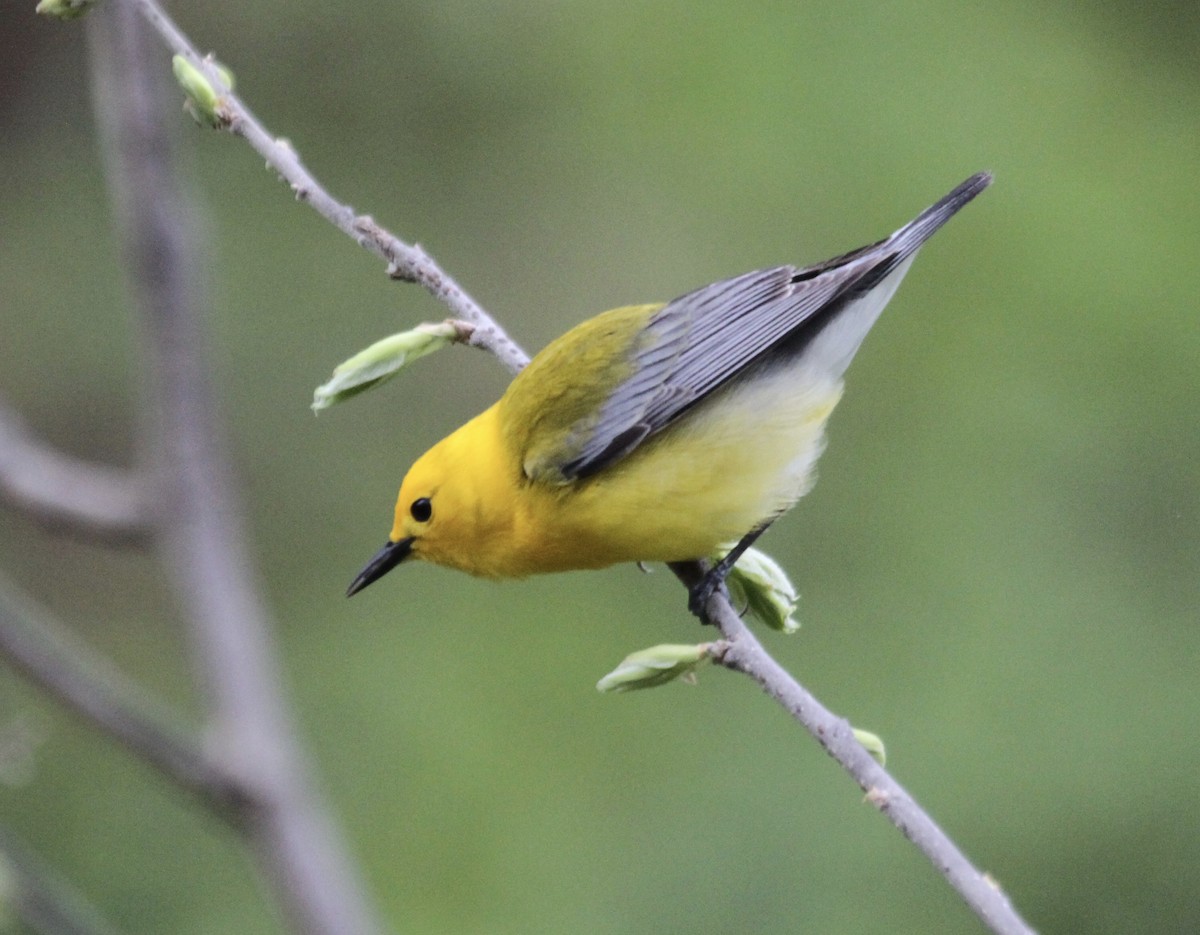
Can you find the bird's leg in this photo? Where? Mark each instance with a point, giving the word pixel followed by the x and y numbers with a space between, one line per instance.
pixel 714 578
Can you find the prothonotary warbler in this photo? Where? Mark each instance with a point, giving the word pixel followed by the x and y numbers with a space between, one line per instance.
pixel 655 432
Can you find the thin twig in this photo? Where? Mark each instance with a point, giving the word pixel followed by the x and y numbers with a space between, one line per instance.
pixel 91 500
pixel 744 654
pixel 405 261
pixel 202 539
pixel 42 899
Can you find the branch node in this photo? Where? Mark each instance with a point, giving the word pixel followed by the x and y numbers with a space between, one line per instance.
pixel 401 273
pixel 464 331
pixel 717 651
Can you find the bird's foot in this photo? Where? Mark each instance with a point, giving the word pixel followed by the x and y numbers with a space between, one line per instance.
pixel 714 578
pixel 712 583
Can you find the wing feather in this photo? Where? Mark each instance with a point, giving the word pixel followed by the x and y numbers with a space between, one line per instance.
pixel 699 342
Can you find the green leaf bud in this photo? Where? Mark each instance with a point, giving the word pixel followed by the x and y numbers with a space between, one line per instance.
pixel 382 361
pixel 655 666
pixel 203 100
pixel 873 744
pixel 758 583
pixel 63 9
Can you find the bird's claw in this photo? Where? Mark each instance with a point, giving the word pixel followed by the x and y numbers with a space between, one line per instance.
pixel 699 594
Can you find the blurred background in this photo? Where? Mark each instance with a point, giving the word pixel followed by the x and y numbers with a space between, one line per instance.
pixel 1000 565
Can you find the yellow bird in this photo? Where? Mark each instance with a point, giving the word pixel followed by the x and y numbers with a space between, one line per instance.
pixel 656 432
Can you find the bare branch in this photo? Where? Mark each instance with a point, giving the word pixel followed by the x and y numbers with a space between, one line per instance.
pixel 743 653
pixel 405 261
pixel 44 901
pixel 92 500
pixel 204 544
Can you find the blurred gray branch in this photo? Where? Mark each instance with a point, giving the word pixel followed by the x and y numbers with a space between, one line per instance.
pixel 252 767
pixel 43 900
pixel 93 500
pixel 41 648
pixel 201 538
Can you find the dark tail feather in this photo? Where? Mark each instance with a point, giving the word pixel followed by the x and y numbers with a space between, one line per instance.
pixel 909 238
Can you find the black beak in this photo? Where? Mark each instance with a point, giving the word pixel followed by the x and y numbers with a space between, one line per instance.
pixel 387 558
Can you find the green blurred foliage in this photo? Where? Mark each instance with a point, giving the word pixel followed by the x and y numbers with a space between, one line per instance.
pixel 1000 565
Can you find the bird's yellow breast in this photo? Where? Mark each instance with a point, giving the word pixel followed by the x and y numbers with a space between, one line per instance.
pixel 735 461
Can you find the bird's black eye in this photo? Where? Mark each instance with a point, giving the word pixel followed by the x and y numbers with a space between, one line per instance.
pixel 421 510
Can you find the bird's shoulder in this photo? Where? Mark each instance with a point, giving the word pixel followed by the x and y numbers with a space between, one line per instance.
pixel 551 408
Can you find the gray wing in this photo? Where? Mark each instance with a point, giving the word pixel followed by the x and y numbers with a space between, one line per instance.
pixel 700 341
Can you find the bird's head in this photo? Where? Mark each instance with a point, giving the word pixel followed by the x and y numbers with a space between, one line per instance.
pixel 449 510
